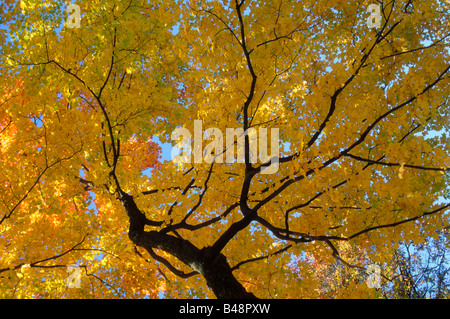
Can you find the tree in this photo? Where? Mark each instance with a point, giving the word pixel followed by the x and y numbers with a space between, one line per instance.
pixel 362 164
pixel 420 271
pixel 415 271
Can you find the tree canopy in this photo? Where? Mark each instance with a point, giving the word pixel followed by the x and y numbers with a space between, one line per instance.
pixel 363 155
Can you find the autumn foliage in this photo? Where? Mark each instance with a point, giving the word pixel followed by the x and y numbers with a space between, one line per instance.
pixel 364 155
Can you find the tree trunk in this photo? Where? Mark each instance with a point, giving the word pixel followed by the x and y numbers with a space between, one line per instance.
pixel 220 279
pixel 212 266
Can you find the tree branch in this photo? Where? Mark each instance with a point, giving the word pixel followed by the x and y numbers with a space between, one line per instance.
pixel 166 263
pixel 397 164
pixel 238 265
pixel 442 208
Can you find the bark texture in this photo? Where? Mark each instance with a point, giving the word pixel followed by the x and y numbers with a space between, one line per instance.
pixel 212 265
